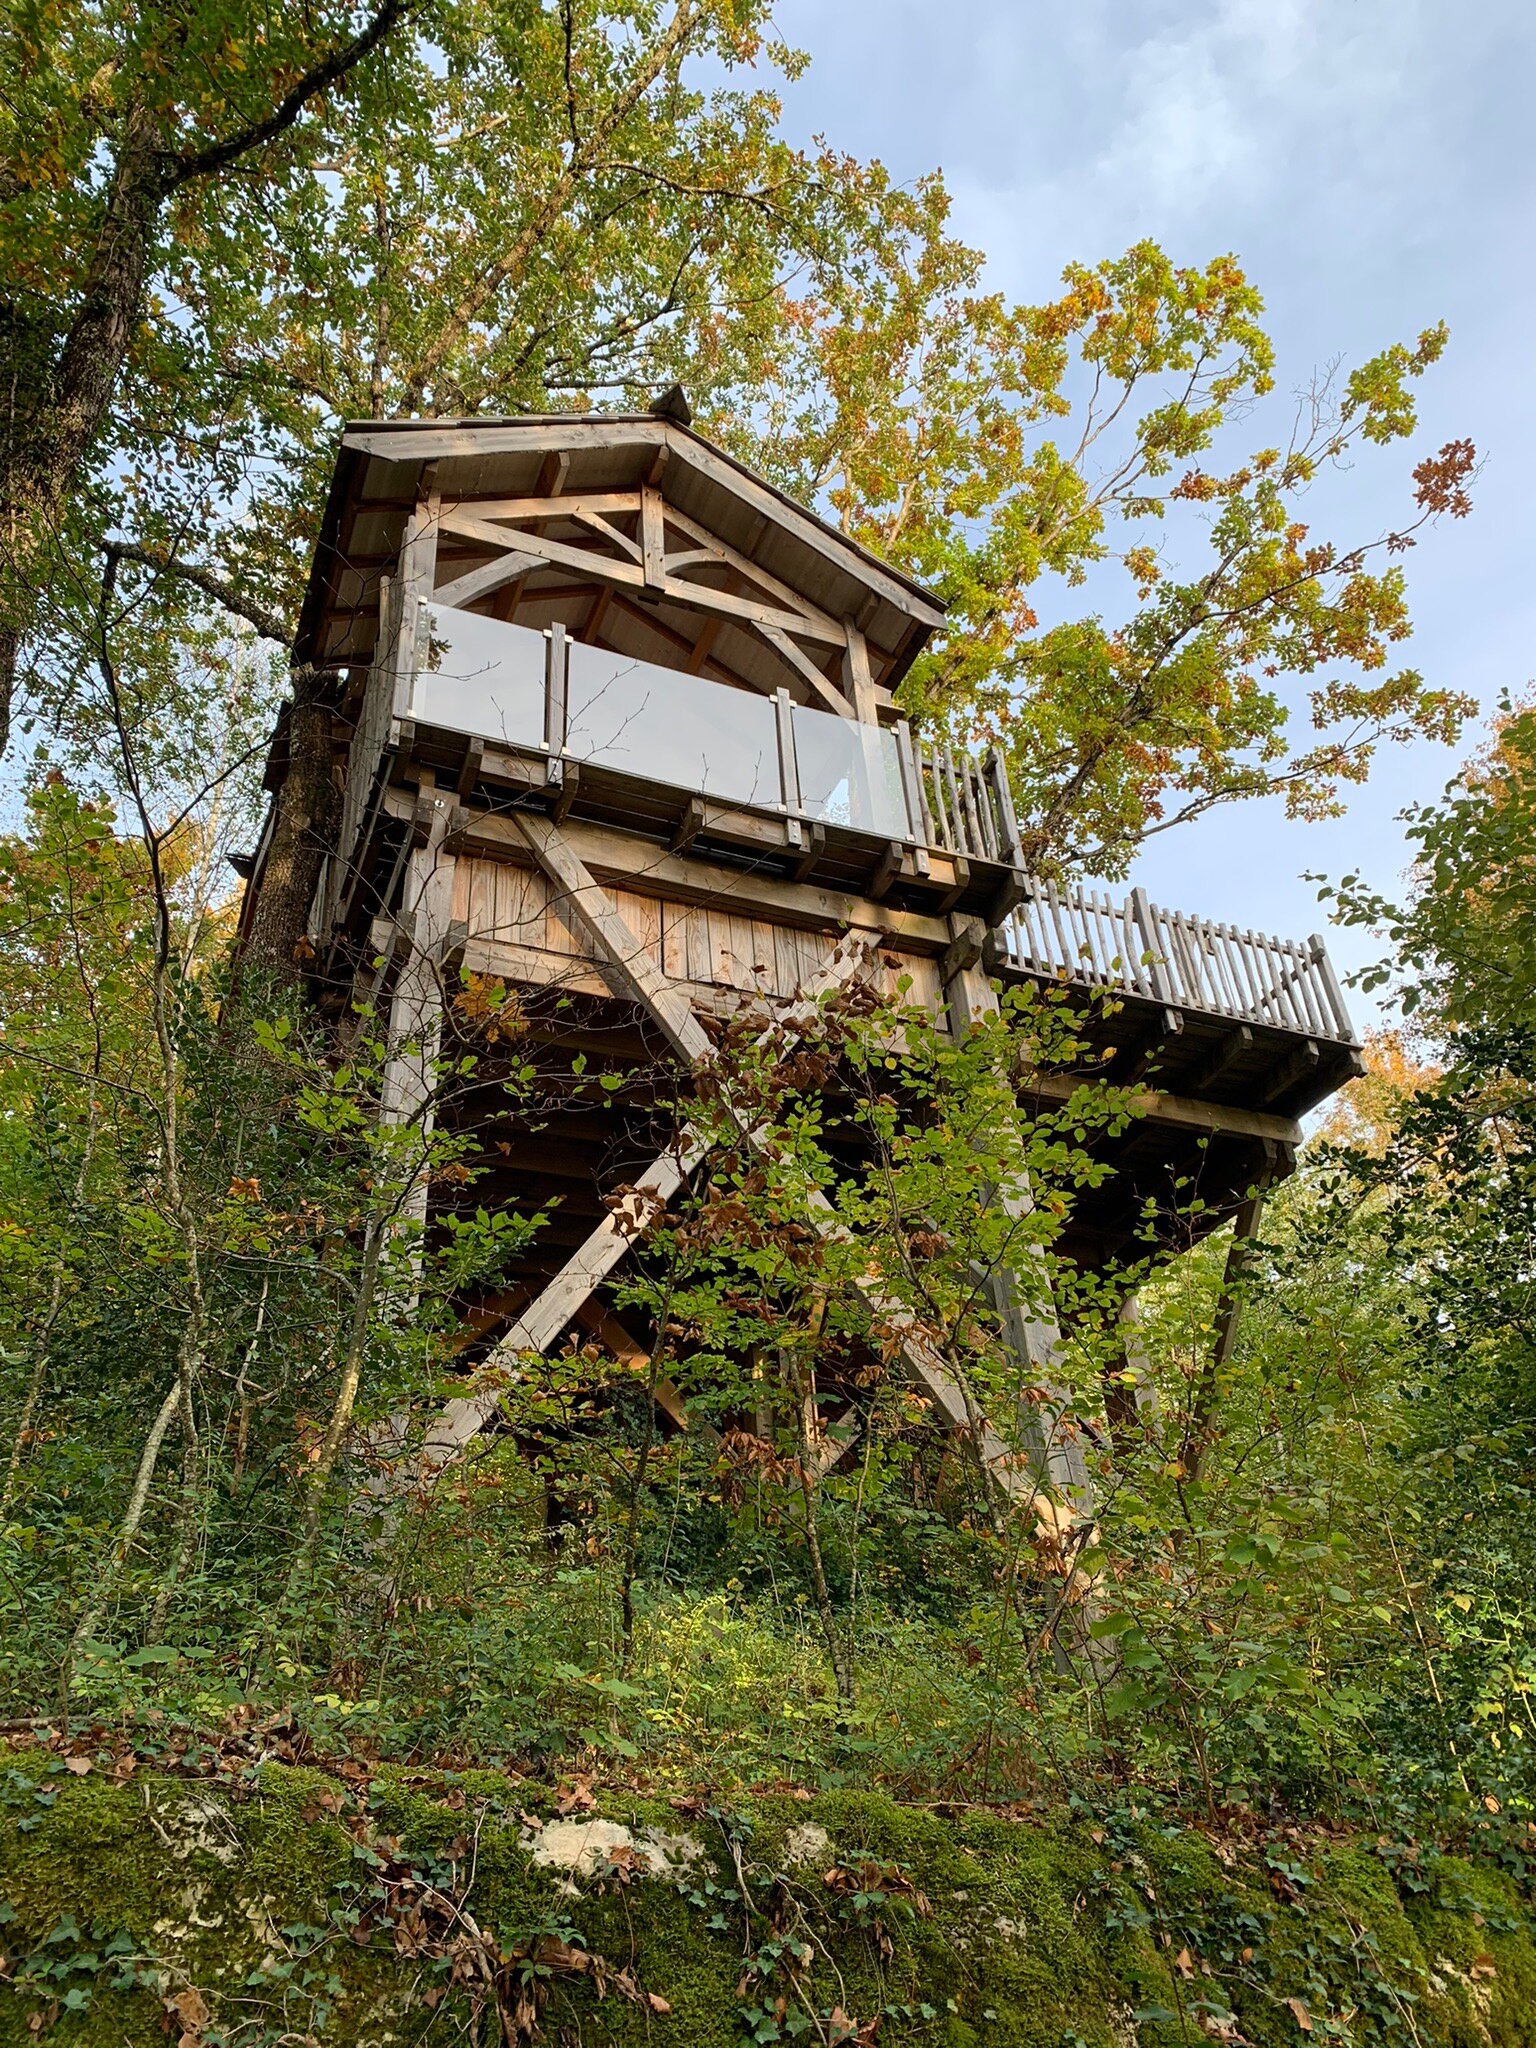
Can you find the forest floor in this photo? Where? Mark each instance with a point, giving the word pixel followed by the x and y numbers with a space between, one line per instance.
pixel 243 1893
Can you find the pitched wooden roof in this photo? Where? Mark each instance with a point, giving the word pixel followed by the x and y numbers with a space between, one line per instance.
pixel 381 466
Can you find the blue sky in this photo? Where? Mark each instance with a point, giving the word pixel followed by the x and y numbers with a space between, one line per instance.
pixel 1370 162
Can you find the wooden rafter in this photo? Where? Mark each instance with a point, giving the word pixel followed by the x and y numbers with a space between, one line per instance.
pixel 630 575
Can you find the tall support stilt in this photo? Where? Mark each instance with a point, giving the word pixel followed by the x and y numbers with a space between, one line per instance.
pixel 1207 1388
pixel 1028 1320
pixel 416 1008
pixel 1130 1400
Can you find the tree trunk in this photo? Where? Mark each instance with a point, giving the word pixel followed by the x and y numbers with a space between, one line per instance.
pixel 58 412
pixel 303 829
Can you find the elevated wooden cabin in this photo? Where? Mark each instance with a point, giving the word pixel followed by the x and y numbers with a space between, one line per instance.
pixel 615 720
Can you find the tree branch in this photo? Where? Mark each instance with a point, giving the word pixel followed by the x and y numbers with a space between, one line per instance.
pixel 490 279
pixel 202 163
pixel 270 625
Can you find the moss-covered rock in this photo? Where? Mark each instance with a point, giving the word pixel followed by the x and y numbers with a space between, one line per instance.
pixel 283 1907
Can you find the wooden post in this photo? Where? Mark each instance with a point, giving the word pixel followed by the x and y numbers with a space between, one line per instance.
pixel 1207 1388
pixel 418 574
pixel 556 657
pixel 1331 986
pixel 1157 967
pixel 652 550
pixel 789 767
pixel 1034 1339
pixel 416 1009
pixel 858 684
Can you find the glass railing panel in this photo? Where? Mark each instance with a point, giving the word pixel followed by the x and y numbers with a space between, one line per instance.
pixel 672 728
pixel 481 676
pixel 850 774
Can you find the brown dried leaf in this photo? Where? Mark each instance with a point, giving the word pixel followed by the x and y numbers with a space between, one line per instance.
pixel 190 2009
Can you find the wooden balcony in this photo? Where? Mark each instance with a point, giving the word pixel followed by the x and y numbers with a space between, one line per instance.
pixel 1177 961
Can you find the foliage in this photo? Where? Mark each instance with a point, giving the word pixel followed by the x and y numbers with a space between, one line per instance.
pixel 986 446
pixel 497 207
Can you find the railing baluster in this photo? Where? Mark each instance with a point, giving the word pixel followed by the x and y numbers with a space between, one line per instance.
pixel 1330 981
pixel 952 791
pixel 978 845
pixel 1248 957
pixel 986 798
pixel 1227 956
pixel 924 817
pixel 1013 846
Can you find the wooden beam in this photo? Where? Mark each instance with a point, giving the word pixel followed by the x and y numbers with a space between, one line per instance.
pixel 548 504
pixel 832 699
pixel 630 576
pixel 605 530
pixel 605 1326
pixel 477 583
pixel 1223 1055
pixel 858 685
pixel 1150 1105
pixel 596 614
pixel 709 633
pixel 689 826
pixel 474 761
pixel 553 471
pixel 616 857
pixel 1132 1063
pixel 628 962
pixel 1305 1060
pixel 711 548
pixel 887 870
pixel 652 550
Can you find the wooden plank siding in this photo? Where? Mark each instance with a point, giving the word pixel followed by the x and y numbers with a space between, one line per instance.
pixel 515 926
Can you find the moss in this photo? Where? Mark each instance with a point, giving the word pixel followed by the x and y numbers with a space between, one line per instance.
pixel 1036 1934
pixel 1477 1937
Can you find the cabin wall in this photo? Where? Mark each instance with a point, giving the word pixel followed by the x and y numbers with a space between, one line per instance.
pixel 515 928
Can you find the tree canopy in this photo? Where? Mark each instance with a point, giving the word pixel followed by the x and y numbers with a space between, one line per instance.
pixel 227 232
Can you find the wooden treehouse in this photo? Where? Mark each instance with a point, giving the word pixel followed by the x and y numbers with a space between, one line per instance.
pixel 614 721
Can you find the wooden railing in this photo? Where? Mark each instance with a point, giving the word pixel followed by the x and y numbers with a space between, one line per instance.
pixel 1182 962
pixel 964 805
